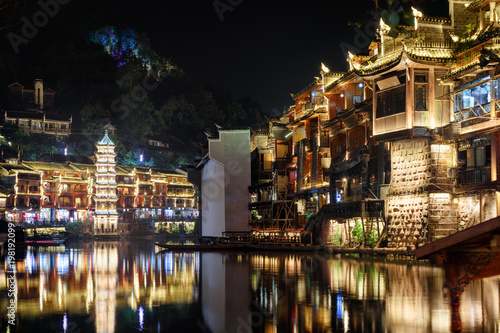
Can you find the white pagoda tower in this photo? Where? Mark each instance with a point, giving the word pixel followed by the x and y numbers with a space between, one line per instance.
pixel 106 216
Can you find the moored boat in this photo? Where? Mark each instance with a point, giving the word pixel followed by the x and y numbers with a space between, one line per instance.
pixel 203 247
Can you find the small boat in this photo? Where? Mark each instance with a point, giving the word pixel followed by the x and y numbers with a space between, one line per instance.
pixel 289 247
pixel 42 243
pixel 203 247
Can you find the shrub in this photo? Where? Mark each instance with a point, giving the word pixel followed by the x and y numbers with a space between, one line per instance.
pixel 335 236
pixel 357 232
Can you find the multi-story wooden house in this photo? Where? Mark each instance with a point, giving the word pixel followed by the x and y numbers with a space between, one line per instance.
pixel 65 191
pixel 39 192
pixel 23 185
pixel 310 146
pixel 273 176
pixel 472 136
pixel 33 110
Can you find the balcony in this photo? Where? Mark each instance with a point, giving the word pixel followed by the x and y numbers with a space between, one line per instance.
pixel 470 56
pixel 365 208
pixel 475 176
pixel 324 141
pixel 280 164
pixel 437 41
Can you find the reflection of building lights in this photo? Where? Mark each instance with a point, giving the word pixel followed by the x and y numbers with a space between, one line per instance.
pixel 141 317
pixel 65 322
pixel 340 306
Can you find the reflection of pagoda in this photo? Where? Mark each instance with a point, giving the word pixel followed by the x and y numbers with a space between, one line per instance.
pixel 106 216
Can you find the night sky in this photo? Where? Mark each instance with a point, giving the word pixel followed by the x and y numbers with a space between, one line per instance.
pixel 263 49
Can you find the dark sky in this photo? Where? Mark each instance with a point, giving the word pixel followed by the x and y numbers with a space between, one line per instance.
pixel 264 49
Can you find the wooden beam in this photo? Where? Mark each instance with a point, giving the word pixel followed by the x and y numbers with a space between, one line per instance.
pixel 469 234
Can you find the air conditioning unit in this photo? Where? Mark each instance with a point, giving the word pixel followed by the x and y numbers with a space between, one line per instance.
pixel 453 173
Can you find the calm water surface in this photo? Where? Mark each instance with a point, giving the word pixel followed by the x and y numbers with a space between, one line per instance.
pixel 133 287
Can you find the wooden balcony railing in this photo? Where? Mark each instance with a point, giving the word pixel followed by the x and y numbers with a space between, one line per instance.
pixel 475 176
pixel 470 56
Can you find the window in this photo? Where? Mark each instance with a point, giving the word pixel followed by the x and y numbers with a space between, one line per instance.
pixel 478 157
pixel 421 86
pixel 472 102
pixel 338 149
pixel 391 101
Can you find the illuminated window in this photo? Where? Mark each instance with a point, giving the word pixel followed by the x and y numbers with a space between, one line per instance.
pixel 421 88
pixel 473 102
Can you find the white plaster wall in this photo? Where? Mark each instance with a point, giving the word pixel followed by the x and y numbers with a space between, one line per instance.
pixel 212 199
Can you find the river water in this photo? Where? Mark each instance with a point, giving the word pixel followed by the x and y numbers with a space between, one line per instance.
pixel 134 287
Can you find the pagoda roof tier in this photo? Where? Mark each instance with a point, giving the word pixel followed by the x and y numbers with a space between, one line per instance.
pixel 106 141
pixel 105 183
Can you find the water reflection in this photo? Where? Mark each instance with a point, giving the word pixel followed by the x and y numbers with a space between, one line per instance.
pixel 118 287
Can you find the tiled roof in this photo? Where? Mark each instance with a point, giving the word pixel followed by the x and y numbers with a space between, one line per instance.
pixel 345 77
pixel 106 141
pixel 84 167
pixel 48 166
pixel 430 19
pixel 309 87
pixel 476 4
pixel 36 115
pixel 376 66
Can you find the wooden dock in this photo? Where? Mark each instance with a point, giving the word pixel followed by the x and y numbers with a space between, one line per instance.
pixel 467 255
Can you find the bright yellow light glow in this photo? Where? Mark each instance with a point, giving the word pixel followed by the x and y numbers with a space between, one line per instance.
pixel 324 68
pixel 440 196
pixel 384 27
pixel 416 12
pixel 440 148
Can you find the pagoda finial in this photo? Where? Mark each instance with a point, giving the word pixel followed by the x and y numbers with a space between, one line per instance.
pixel 106 140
